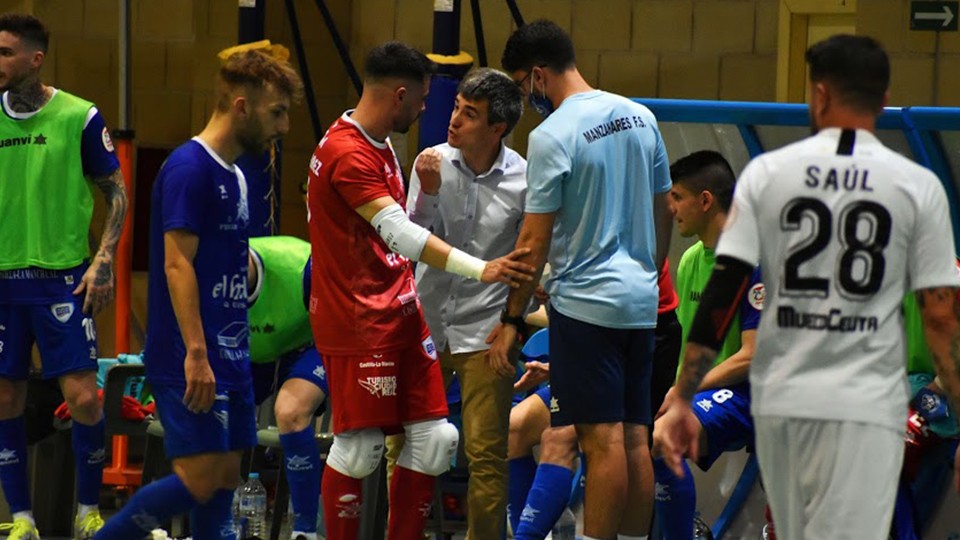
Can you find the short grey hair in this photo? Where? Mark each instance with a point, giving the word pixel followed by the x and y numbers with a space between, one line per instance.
pixel 503 96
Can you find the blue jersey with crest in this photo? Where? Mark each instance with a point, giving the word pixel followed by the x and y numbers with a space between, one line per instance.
pixel 198 192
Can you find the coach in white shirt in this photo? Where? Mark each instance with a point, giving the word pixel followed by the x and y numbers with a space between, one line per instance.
pixel 843 228
pixel 470 192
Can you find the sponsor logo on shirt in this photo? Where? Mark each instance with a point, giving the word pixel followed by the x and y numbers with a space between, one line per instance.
pixel 833 321
pixel 756 295
pixel 379 386
pixel 233 336
pixel 231 288
pixel 705 404
pixel 26 140
pixel 611 127
pixel 319 372
pixel 62 312
pixel 377 363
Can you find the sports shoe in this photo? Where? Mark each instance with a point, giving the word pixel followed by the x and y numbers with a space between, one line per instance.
pixel 84 529
pixel 701 531
pixel 22 529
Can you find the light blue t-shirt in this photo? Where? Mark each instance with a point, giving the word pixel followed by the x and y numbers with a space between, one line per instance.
pixel 597 161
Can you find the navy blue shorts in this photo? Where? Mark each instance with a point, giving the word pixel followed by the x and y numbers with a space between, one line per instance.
pixel 306 364
pixel 230 425
pixel 724 414
pixel 597 374
pixel 66 338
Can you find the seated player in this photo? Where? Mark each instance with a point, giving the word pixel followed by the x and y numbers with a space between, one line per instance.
pixel 703 184
pixel 284 360
pixel 931 434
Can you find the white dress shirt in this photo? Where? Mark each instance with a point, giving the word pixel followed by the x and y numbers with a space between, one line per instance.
pixel 480 215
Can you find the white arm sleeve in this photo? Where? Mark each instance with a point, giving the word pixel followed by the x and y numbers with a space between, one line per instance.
pixel 401 235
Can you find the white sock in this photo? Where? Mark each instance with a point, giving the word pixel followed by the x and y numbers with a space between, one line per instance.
pixel 27 515
pixel 308 536
pixel 84 509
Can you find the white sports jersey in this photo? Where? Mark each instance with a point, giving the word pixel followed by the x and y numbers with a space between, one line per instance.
pixel 843 227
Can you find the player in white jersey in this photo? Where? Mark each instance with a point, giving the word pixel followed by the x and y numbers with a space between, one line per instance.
pixel 843 228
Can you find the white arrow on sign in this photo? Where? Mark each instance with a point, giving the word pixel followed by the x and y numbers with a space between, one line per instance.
pixel 946 16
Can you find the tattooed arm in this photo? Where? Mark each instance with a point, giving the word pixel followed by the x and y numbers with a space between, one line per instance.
pixel 98 282
pixel 940 309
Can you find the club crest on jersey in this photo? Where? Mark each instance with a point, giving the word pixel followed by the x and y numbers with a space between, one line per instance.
pixel 756 295
pixel 107 141
pixel 430 348
pixel 62 312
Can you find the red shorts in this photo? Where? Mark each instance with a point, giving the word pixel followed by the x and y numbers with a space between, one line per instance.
pixel 385 390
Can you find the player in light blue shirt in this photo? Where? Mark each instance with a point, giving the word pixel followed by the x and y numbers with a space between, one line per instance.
pixel 598 176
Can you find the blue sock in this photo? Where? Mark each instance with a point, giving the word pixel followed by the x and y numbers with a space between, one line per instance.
pixel 545 503
pixel 152 506
pixel 89 452
pixel 522 471
pixel 302 461
pixel 214 520
pixel 13 464
pixel 676 501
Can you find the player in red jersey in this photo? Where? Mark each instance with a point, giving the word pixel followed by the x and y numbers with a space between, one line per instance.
pixel 376 347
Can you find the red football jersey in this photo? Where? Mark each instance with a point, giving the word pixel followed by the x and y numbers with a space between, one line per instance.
pixel 668 295
pixel 363 299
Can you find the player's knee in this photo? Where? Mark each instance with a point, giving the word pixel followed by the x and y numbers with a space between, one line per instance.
pixel 292 415
pixel 84 405
pixel 356 453
pixel 429 447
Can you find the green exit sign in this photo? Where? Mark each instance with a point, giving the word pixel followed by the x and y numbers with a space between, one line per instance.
pixel 937 16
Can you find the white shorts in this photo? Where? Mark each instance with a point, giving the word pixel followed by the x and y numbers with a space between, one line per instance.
pixel 829 479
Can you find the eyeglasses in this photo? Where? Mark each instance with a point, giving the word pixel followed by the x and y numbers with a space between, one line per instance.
pixel 527 76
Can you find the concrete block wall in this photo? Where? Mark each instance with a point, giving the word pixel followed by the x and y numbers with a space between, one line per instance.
pixel 923 71
pixel 702 49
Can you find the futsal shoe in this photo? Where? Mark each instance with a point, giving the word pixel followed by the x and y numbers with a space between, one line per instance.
pixel 23 529
pixel 84 529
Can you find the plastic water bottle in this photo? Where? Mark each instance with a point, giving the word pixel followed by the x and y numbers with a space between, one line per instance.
pixel 237 514
pixel 566 527
pixel 253 507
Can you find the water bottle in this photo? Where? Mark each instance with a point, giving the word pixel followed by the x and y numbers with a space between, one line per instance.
pixel 253 507
pixel 237 514
pixel 566 527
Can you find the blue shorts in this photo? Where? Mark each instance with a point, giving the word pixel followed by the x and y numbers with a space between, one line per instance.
pixel 65 337
pixel 304 364
pixel 230 425
pixel 544 395
pixel 597 374
pixel 725 416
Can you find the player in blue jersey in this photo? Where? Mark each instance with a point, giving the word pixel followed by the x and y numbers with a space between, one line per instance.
pixel 598 177
pixel 700 199
pixel 53 148
pixel 197 354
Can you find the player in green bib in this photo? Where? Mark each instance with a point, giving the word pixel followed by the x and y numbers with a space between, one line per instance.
pixel 54 148
pixel 931 434
pixel 702 190
pixel 284 360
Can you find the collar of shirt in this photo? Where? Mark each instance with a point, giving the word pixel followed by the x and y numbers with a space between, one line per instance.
pixel 502 165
